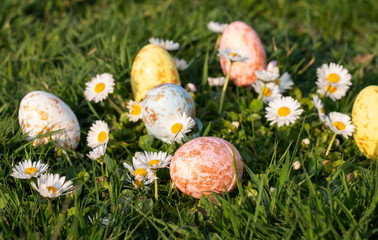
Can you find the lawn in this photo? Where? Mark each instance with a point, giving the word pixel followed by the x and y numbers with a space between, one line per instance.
pixel 57 46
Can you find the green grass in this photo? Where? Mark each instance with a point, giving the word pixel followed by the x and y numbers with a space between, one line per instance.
pixel 56 46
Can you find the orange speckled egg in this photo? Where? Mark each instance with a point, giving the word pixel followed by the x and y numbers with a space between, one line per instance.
pixel 242 37
pixel 205 165
pixel 365 118
pixel 151 67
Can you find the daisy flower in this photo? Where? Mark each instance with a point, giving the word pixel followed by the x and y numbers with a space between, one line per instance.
pixel 217 27
pixel 97 152
pixel 218 81
pixel 335 92
pixel 139 170
pixel 168 45
pixel 266 76
pixel 283 111
pixel 272 67
pixel 284 82
pixel 155 160
pixel 190 87
pixel 135 110
pixel 232 55
pixel 333 74
pixel 52 185
pixel 28 169
pixel 271 91
pixel 319 107
pixel 340 124
pixel 98 134
pixel 181 64
pixel 99 87
pixel 297 165
pixel 179 125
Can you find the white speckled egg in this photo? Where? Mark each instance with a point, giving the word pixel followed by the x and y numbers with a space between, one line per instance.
pixel 161 103
pixel 42 112
pixel 238 35
pixel 205 165
pixel 151 67
pixel 365 118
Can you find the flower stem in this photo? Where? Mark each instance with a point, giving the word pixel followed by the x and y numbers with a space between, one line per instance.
pixel 224 89
pixel 262 92
pixel 102 172
pixel 118 109
pixel 216 48
pixel 330 144
pixel 51 210
pixel 156 190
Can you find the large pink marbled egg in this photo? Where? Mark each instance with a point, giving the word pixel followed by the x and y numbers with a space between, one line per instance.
pixel 242 37
pixel 205 165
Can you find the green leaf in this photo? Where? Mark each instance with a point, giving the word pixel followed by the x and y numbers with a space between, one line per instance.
pixel 256 105
pixel 145 142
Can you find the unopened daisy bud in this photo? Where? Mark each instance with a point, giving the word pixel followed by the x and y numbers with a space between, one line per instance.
pixel 297 165
pixel 272 67
pixel 306 141
pixel 272 190
pixel 235 124
pixel 190 87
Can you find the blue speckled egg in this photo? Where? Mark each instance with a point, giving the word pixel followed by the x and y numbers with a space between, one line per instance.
pixel 160 105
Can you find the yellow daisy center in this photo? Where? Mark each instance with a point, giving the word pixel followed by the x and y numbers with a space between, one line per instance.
pixel 51 188
pixel 233 54
pixel 333 78
pixel 267 92
pixel 136 110
pixel 176 128
pixel 277 81
pixel 283 111
pixel 102 136
pixel 339 125
pixel 141 171
pixel 138 183
pixel 322 110
pixel 331 89
pixel 31 170
pixel 152 162
pixel 99 87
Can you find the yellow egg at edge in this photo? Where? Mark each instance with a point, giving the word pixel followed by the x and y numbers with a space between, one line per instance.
pixel 151 67
pixel 365 118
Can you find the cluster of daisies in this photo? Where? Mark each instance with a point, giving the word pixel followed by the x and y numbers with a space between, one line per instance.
pixel 48 185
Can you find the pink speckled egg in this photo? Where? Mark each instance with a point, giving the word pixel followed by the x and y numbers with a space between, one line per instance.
pixel 41 112
pixel 205 165
pixel 242 37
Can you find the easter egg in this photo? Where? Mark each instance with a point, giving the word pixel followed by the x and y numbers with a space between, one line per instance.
pixel 365 119
pixel 243 38
pixel 160 105
pixel 41 112
pixel 205 165
pixel 152 66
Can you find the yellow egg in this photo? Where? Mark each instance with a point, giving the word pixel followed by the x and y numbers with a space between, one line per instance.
pixel 152 66
pixel 365 118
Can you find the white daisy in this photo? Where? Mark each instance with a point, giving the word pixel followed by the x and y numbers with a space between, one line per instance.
pixel 99 87
pixel 319 107
pixel 28 169
pixel 52 185
pixel 232 55
pixel 333 74
pixel 271 90
pixel 297 165
pixel 284 110
pixel 218 81
pixel 97 152
pixel 335 92
pixel 217 27
pixel 340 124
pixel 284 82
pixel 155 160
pixel 181 64
pixel 266 76
pixel 98 134
pixel 190 87
pixel 135 110
pixel 272 67
pixel 139 170
pixel 168 45
pixel 178 127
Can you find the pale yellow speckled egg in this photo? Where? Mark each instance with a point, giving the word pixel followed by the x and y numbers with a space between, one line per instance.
pixel 238 35
pixel 205 165
pixel 365 118
pixel 41 112
pixel 152 66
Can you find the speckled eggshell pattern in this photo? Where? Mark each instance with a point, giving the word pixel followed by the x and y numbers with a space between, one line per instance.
pixel 242 37
pixel 152 66
pixel 161 103
pixel 205 165
pixel 42 112
pixel 365 119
